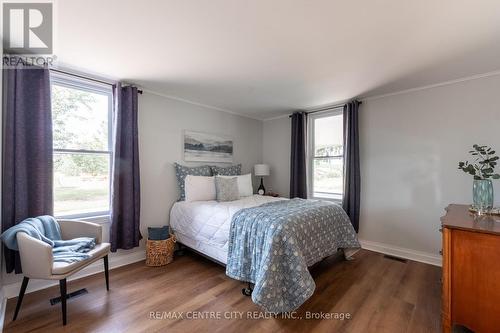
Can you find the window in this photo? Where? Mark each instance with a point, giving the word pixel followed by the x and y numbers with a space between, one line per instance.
pixel 326 155
pixel 81 120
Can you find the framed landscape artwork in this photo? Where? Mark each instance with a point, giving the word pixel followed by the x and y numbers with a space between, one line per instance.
pixel 205 147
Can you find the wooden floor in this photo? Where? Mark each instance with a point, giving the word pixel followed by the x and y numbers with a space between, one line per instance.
pixel 381 295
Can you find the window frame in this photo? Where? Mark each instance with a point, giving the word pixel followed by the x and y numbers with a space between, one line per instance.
pixel 74 82
pixel 310 152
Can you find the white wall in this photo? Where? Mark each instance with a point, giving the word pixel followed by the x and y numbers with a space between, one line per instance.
pixel 276 153
pixel 161 125
pixel 410 146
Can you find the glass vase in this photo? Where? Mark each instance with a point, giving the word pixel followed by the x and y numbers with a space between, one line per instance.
pixel 482 192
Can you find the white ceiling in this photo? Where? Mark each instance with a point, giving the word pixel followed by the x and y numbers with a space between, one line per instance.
pixel 267 57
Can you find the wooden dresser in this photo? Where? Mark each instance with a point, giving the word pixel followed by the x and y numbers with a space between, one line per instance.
pixel 471 270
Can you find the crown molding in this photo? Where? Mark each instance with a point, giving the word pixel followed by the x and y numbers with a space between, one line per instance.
pixel 431 86
pixel 405 91
pixel 309 109
pixel 179 99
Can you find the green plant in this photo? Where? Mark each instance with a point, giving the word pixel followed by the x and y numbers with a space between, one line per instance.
pixel 484 163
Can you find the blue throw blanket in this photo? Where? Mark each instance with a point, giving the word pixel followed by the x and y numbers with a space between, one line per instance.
pixel 46 229
pixel 273 245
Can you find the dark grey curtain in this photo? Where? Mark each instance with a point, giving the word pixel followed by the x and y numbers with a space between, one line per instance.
pixel 352 178
pixel 298 164
pixel 126 197
pixel 26 150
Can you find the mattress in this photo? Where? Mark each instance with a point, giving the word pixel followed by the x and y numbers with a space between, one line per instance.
pixel 204 225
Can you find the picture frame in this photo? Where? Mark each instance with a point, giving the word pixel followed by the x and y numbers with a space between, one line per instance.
pixel 207 147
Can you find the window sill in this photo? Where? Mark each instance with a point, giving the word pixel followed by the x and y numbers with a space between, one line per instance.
pixel 339 201
pixel 98 218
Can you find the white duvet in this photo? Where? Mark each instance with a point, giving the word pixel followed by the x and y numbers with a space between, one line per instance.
pixel 204 225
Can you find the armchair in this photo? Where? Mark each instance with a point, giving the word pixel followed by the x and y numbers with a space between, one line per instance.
pixel 37 261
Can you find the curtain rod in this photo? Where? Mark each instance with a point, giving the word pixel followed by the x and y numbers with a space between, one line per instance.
pixel 85 77
pixel 326 108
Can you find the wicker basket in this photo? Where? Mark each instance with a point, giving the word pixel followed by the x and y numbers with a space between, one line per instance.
pixel 160 252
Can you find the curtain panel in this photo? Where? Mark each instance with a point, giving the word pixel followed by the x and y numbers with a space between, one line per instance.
pixel 298 161
pixel 352 176
pixel 27 168
pixel 126 197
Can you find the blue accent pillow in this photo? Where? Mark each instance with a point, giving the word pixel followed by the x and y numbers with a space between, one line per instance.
pixel 233 170
pixel 158 233
pixel 181 171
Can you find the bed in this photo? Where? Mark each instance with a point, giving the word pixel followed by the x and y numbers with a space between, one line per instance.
pixel 266 241
pixel 204 225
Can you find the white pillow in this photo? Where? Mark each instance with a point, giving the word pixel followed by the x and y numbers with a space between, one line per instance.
pixel 199 188
pixel 245 186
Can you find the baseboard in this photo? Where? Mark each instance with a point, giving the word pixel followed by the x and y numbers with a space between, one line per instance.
pixel 115 260
pixel 425 257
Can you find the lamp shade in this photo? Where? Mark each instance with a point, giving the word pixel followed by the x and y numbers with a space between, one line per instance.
pixel 261 170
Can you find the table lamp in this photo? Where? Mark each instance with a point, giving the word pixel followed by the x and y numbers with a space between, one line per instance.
pixel 261 170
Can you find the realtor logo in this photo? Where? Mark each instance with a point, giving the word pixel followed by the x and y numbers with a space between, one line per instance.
pixel 27 28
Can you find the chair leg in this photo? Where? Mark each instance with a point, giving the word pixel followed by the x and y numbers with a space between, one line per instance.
pixel 62 286
pixel 106 271
pixel 21 295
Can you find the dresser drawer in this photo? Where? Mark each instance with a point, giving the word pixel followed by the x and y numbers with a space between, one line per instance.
pixel 475 280
pixel 471 271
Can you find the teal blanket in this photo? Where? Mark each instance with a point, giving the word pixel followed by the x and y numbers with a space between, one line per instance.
pixel 46 229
